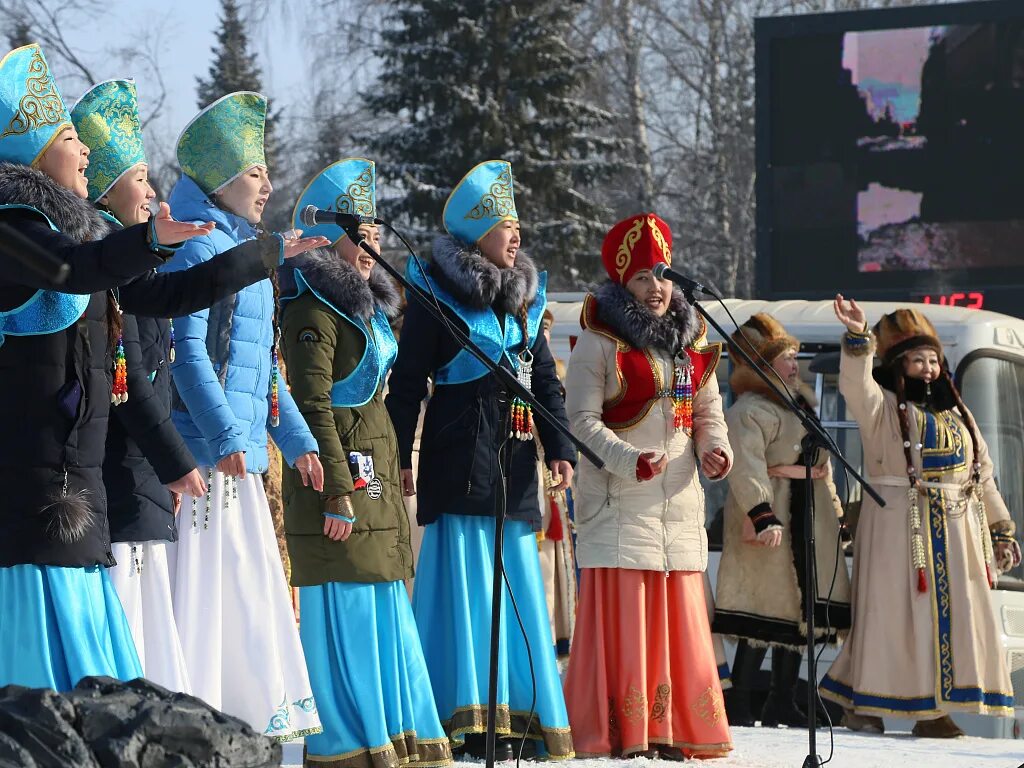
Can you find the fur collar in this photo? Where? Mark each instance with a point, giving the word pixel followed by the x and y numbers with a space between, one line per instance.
pixel 472 279
pixel 339 282
pixel 74 217
pixel 745 379
pixel 639 327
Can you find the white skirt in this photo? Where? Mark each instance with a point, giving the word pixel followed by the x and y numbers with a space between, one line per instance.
pixel 234 611
pixel 143 583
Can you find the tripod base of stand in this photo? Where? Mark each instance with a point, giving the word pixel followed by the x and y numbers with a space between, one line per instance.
pixel 813 762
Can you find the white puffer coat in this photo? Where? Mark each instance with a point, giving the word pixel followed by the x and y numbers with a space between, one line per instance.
pixel 656 525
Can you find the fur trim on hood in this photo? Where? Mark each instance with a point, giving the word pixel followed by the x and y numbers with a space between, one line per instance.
pixel 341 284
pixel 74 216
pixel 639 327
pixel 472 279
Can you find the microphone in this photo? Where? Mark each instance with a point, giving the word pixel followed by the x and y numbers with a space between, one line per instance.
pixel 662 271
pixel 311 216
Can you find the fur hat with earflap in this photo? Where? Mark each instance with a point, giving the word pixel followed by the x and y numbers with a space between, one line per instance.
pixel 763 338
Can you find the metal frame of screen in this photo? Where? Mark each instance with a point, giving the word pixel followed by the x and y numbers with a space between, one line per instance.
pixel 1002 287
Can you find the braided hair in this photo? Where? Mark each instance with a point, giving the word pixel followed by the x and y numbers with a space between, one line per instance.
pixel 903 412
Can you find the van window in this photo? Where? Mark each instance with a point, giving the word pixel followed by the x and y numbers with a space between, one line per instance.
pixel 993 388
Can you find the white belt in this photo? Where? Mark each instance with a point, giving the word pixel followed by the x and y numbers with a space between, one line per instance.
pixel 894 481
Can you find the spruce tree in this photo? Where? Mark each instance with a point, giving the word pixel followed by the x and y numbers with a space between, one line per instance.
pixel 234 68
pixel 470 80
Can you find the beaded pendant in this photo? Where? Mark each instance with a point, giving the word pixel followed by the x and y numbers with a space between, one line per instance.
pixel 682 395
pixel 520 411
pixel 170 348
pixel 119 392
pixel 275 375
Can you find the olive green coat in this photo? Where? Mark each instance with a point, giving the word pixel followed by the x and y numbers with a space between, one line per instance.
pixel 320 347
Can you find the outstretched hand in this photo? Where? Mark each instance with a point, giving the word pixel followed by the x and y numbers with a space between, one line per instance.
pixel 295 244
pixel 849 314
pixel 169 231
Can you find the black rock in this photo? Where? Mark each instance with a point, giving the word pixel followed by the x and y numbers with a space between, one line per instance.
pixel 110 724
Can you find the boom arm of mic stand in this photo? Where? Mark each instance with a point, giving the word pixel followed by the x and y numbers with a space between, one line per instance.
pixel 808 423
pixel 506 377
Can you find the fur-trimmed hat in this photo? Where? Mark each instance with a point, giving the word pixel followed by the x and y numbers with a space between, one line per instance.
pixel 903 330
pixel 764 335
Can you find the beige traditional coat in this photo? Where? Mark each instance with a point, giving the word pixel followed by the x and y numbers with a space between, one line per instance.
pixel 657 525
pixel 913 653
pixel 760 594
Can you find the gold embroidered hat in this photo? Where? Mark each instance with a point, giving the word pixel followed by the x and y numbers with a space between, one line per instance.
pixel 764 335
pixel 903 330
pixel 482 200
pixel 107 121
pixel 347 186
pixel 224 140
pixel 635 244
pixel 32 112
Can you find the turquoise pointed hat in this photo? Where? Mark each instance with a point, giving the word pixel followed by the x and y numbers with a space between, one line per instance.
pixel 107 121
pixel 32 113
pixel 482 200
pixel 224 140
pixel 347 186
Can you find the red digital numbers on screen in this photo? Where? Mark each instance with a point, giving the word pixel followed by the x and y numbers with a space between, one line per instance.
pixel 970 299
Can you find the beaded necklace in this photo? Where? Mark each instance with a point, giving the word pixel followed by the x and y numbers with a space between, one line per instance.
pixel 681 393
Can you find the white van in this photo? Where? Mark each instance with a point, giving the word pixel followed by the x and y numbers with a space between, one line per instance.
pixel 985 351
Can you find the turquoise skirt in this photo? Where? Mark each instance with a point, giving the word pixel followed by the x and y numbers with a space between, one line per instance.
pixel 452 603
pixel 369 678
pixel 58 625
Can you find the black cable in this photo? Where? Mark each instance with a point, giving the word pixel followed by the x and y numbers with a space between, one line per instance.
pixel 769 369
pixel 515 608
pixel 503 446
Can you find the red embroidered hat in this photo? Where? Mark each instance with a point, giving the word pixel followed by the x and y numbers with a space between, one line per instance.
pixel 634 244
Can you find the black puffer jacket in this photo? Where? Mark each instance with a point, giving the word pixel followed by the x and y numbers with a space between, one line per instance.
pixel 56 387
pixel 144 450
pixel 458 461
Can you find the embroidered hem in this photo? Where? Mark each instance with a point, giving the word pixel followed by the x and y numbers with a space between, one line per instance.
pixel 473 719
pixel 404 749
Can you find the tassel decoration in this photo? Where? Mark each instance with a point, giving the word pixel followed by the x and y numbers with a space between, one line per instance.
pixel 119 392
pixel 682 395
pixel 521 413
pixel 275 383
pixel 170 348
pixel 916 536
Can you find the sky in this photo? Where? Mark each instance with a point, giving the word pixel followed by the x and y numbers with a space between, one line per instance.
pixel 188 31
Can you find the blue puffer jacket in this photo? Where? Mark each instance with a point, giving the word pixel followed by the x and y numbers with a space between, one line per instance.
pixel 228 411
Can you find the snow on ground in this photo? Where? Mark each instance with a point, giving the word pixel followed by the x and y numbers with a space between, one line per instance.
pixel 786 748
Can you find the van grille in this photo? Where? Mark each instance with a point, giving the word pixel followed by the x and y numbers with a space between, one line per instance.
pixel 1013 621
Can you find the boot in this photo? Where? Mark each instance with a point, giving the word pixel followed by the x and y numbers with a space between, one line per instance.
pixel 476 746
pixel 940 728
pixel 862 723
pixel 744 672
pixel 780 708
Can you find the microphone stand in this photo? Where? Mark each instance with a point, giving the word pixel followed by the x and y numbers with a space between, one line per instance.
pixel 816 438
pixel 508 387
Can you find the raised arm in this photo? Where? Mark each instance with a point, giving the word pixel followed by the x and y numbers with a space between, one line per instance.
pixel 210 277
pixel 94 266
pixel 858 387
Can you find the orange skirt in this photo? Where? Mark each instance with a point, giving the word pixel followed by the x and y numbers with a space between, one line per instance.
pixel 642 668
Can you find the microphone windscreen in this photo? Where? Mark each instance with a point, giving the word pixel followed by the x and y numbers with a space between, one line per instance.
pixel 309 216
